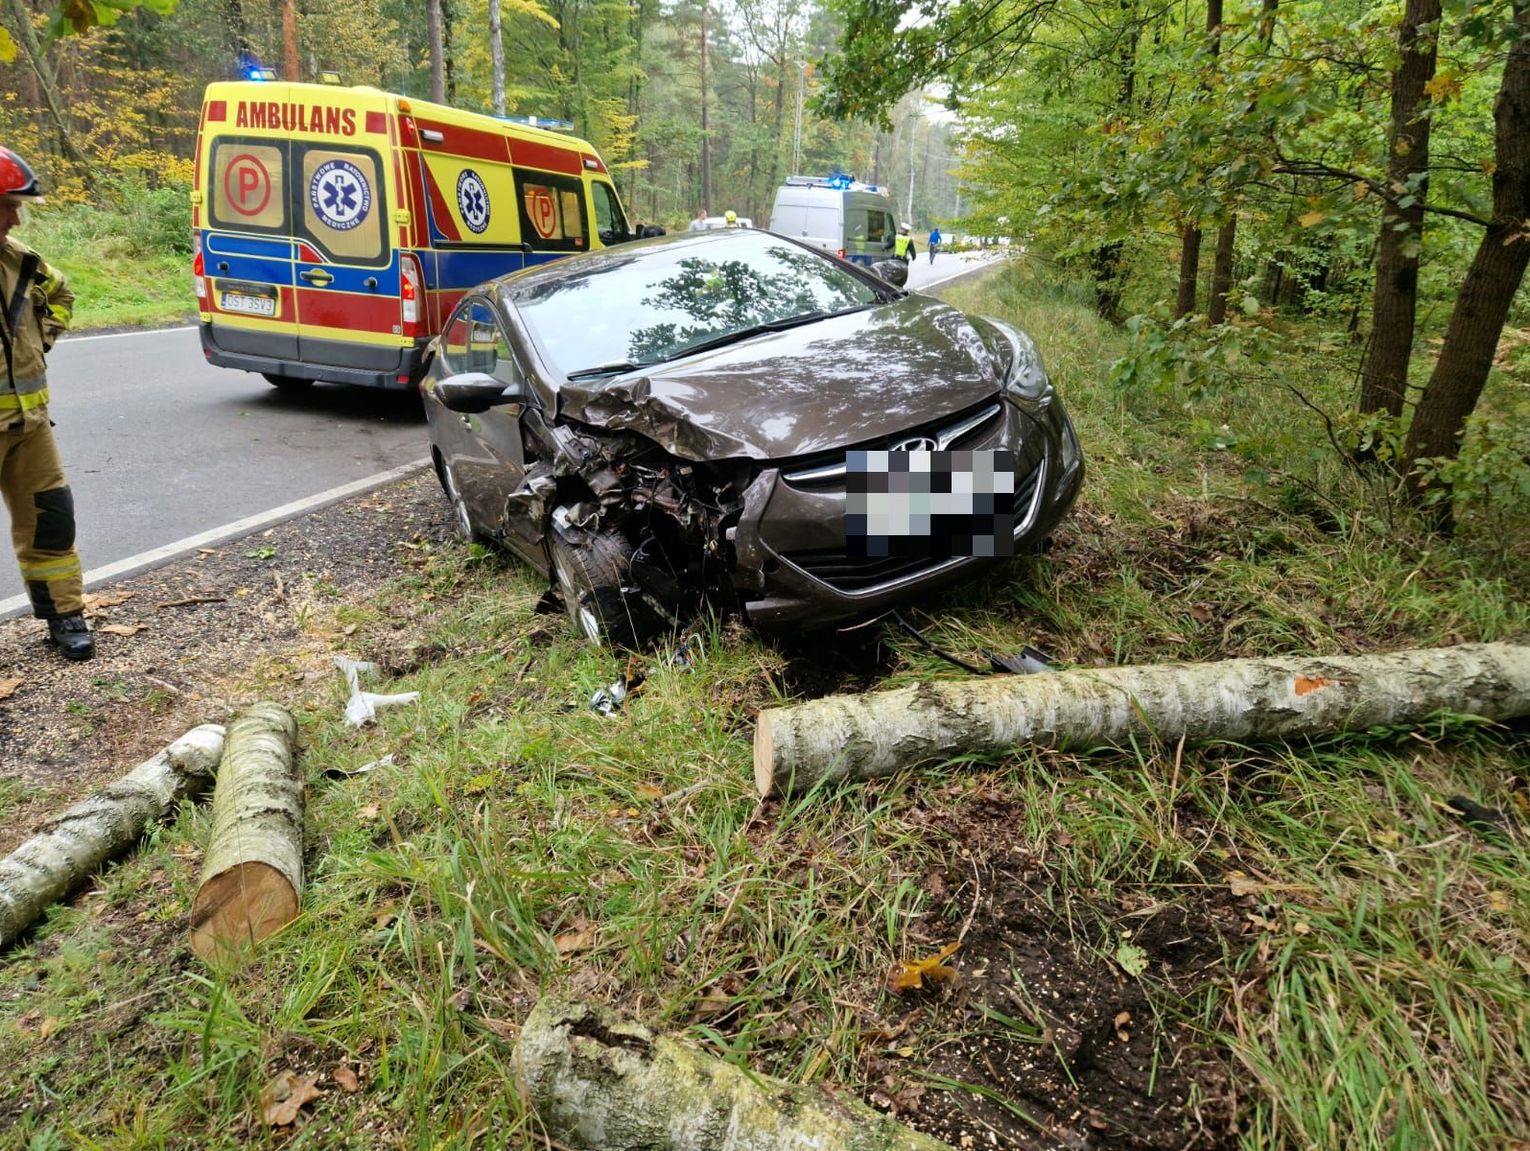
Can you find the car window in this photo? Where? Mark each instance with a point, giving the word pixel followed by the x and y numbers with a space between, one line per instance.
pixel 610 224
pixel 552 212
pixel 247 185
pixel 653 304
pixel 876 227
pixel 474 341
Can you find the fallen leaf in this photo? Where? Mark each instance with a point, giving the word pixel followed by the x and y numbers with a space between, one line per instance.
pixel 907 976
pixel 368 812
pixel 1498 900
pixel 1123 1018
pixel 107 599
pixel 1133 960
pixel 47 1027
pixel 580 938
pixel 8 687
pixel 648 791
pixel 1241 885
pixel 285 1096
pixel 120 628
pixel 207 551
pixel 346 1080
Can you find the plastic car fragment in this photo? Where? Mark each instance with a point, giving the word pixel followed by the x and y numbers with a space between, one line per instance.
pixel 362 706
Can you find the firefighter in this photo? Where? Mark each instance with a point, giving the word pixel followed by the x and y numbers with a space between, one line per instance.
pixel 730 219
pixel 36 303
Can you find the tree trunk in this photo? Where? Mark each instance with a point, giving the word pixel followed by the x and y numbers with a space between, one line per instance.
pixel 1222 272
pixel 706 130
pixel 1105 264
pixel 1482 304
pixel 47 80
pixel 437 51
pixel 252 872
pixel 496 61
pixel 859 737
pixel 66 851
pixel 1384 380
pixel 290 66
pixel 598 1082
pixel 1189 270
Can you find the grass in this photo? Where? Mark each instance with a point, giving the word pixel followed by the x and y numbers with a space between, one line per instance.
pixel 1376 995
pixel 129 266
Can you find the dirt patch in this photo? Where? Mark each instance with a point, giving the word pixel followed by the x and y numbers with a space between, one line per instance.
pixel 173 642
pixel 1058 1029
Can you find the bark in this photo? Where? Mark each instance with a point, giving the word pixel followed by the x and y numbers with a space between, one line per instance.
pixel 437 51
pixel 598 1082
pixel 290 66
pixel 1189 270
pixel 706 128
pixel 1384 380
pixel 1497 269
pixel 1105 263
pixel 1222 272
pixel 496 60
pixel 857 737
pixel 252 873
pixel 66 851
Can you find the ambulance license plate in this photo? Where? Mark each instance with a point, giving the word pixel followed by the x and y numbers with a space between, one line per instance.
pixel 249 305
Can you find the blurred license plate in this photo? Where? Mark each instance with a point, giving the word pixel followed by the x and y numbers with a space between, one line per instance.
pixel 930 504
pixel 250 305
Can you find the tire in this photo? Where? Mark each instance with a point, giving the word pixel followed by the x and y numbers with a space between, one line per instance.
pixel 287 383
pixel 462 519
pixel 591 579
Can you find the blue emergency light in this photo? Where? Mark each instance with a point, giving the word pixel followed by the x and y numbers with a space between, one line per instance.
pixel 260 74
pixel 840 180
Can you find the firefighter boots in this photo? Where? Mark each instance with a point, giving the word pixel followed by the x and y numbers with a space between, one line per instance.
pixel 71 635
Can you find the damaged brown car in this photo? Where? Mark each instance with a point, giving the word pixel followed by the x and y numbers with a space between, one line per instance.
pixel 735 420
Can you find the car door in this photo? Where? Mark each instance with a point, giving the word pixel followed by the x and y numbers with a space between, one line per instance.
pixel 490 459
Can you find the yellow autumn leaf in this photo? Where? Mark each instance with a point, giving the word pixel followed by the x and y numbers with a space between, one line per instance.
pixel 1312 218
pixel 7 47
pixel 8 687
pixel 907 976
pixel 1444 86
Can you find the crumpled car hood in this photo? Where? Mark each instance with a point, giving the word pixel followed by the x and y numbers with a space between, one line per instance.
pixel 828 385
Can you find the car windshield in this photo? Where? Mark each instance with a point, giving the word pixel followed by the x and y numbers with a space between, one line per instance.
pixel 651 305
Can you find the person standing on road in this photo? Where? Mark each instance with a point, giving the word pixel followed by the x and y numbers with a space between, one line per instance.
pixel 36 304
pixel 934 243
pixel 903 245
pixel 699 224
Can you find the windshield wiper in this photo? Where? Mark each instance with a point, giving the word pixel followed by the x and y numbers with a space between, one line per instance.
pixel 615 368
pixel 768 326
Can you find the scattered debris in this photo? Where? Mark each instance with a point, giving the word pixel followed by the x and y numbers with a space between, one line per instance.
pixel 1491 821
pixel 190 601
pixel 286 1095
pixel 911 976
pixel 685 655
pixel 362 706
pixel 363 769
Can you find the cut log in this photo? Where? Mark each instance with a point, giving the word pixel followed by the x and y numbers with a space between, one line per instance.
pixel 252 873
pixel 67 850
pixel 598 1082
pixel 859 737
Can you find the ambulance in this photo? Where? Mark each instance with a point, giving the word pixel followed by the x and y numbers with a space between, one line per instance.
pixel 336 228
pixel 838 215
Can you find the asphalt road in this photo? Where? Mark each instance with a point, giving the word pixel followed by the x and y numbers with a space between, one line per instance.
pixel 159 446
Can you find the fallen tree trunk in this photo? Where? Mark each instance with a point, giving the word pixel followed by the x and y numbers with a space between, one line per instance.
pixel 598 1082
pixel 858 737
pixel 252 872
pixel 66 851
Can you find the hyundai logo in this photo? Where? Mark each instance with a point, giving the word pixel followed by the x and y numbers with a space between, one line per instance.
pixel 917 444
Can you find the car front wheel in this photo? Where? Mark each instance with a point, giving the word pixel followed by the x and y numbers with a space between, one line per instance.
pixel 591 578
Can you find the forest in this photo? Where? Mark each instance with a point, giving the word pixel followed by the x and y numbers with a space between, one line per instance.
pixel 1361 168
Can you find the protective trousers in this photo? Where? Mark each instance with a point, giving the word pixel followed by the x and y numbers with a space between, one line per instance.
pixel 42 517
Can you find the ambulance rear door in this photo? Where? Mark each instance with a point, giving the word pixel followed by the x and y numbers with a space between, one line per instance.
pixel 346 264
pixel 247 236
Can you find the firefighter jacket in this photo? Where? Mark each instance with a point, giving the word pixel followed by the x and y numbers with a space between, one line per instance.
pixel 35 306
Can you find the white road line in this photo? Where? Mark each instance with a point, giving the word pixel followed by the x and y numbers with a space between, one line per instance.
pixel 73 339
pixel 16 605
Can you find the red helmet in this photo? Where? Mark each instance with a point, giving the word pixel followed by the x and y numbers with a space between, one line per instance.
pixel 16 177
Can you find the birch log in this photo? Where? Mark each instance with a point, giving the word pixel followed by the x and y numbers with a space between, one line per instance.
pixel 857 737
pixel 68 849
pixel 252 872
pixel 597 1082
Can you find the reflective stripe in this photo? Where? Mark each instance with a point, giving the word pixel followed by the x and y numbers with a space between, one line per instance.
pixel 51 283
pixel 49 571
pixel 29 394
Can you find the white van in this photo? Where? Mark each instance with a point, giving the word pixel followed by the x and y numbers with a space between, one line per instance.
pixel 845 218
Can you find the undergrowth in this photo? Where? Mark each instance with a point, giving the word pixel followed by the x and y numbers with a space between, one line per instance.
pixel 1375 995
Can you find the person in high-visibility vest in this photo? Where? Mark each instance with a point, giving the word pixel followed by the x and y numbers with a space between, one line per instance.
pixel 903 245
pixel 35 305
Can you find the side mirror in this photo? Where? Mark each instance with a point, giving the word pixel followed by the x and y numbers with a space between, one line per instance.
pixel 477 392
pixel 895 272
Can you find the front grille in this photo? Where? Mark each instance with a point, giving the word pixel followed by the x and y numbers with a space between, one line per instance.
pixel 967 431
pixel 852 574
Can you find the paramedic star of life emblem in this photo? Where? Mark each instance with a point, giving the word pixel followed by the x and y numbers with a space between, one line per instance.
pixel 340 195
pixel 473 200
